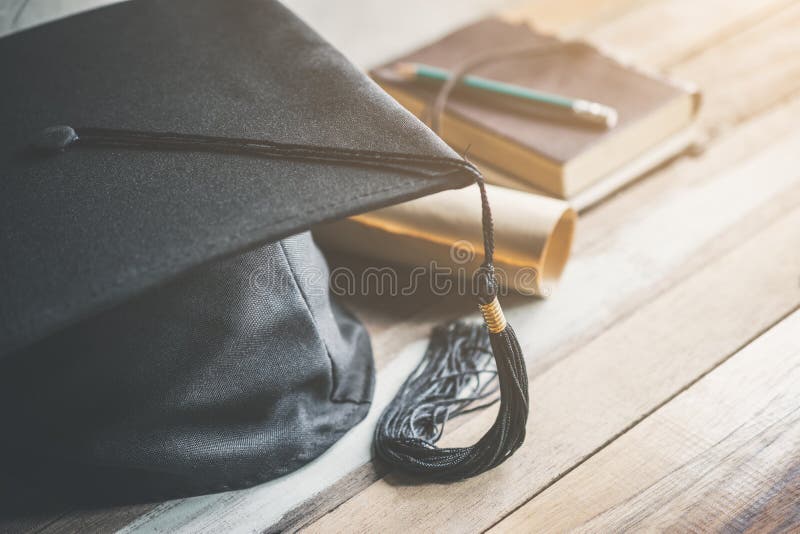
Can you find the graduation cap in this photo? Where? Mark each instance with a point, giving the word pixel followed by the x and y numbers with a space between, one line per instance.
pixel 162 162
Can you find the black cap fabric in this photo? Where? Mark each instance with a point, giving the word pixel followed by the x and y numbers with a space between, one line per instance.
pixel 88 227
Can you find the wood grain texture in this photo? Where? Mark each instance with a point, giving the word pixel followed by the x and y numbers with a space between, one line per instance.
pixel 684 28
pixel 95 520
pixel 567 18
pixel 722 456
pixel 748 73
pixel 603 389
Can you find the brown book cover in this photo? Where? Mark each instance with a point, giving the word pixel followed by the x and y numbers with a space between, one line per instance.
pixel 557 156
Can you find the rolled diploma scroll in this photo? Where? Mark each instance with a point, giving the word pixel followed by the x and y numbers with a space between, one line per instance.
pixel 533 235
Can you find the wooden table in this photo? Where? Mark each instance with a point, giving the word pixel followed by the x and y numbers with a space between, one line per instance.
pixel 665 370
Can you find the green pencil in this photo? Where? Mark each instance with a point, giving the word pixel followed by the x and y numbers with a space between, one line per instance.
pixel 538 102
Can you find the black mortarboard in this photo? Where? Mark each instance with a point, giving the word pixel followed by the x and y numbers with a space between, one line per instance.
pixel 161 163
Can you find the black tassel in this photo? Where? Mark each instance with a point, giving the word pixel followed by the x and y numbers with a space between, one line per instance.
pixel 450 379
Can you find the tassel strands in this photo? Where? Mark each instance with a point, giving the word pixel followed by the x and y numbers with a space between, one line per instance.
pixel 448 381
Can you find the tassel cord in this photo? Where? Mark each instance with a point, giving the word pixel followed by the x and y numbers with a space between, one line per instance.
pixel 447 383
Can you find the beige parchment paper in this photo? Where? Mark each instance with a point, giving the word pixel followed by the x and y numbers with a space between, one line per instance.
pixel 533 235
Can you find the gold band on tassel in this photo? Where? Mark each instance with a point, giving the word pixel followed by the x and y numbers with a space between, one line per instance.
pixel 493 316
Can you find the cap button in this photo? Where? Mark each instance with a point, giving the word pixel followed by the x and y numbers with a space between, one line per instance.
pixel 55 138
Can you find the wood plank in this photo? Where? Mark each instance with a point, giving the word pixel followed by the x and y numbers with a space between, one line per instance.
pixel 371 33
pixel 567 18
pixel 603 389
pixel 722 456
pixel 749 73
pixel 693 27
pixel 94 520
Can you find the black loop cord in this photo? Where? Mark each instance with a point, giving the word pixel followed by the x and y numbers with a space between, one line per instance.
pixel 456 371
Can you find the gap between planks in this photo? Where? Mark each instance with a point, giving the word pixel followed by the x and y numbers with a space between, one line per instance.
pixel 632 483
pixel 636 423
